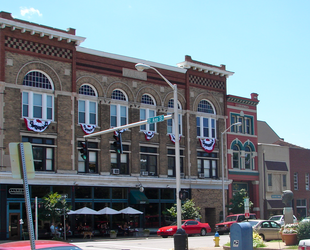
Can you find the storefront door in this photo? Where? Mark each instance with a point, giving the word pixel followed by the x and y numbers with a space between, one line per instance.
pixel 14 228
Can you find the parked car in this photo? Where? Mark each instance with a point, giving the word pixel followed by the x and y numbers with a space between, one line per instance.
pixel 267 229
pixel 280 219
pixel 304 244
pixel 40 244
pixel 224 227
pixel 190 227
pixel 306 219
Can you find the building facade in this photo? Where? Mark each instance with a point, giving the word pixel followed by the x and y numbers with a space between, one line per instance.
pixel 54 92
pixel 242 158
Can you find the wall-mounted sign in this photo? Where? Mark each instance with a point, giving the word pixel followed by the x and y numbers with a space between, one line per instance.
pixel 16 191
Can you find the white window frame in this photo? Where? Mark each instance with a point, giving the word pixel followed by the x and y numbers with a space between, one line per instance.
pixel 30 105
pixel 87 111
pixel 295 181
pixel 148 109
pixel 170 122
pixel 120 105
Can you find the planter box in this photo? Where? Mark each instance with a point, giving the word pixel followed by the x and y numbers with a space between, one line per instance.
pixel 290 239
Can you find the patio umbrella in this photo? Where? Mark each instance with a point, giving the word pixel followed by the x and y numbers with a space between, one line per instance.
pixel 84 210
pixel 108 210
pixel 130 210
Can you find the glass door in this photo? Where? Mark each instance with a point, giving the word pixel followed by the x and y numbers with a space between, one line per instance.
pixel 14 228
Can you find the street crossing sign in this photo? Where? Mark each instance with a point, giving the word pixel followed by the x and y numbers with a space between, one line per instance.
pixel 155 119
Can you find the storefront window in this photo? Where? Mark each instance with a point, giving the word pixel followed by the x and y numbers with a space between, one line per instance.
pixel 83 192
pixel 40 191
pixel 101 193
pixel 167 194
pixel 119 193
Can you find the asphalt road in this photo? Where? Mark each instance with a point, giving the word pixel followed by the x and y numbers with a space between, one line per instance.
pixel 150 243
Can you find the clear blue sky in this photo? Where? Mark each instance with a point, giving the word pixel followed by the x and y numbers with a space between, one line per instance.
pixel 266 43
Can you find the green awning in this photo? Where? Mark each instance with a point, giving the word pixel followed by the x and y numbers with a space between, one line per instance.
pixel 137 197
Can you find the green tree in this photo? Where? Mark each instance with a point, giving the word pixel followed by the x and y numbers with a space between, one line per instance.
pixel 189 210
pixel 236 205
pixel 54 206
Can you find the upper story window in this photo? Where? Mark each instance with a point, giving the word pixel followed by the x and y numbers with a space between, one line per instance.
pixel 248 157
pixel 246 126
pixel 171 162
pixel 307 181
pixel 90 165
pixel 295 181
pixel 147 110
pixel 207 164
pixel 206 123
pixel 118 109
pixel 43 152
pixel 236 156
pixel 148 161
pixel 87 108
pixel 170 122
pixel 35 103
pixel 284 181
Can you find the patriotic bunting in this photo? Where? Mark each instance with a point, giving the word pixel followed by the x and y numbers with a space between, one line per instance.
pixel 149 135
pixel 119 131
pixel 36 125
pixel 207 144
pixel 88 129
pixel 172 137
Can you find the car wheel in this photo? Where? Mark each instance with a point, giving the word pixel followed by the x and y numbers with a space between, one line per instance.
pixel 164 236
pixel 263 236
pixel 203 232
pixel 221 233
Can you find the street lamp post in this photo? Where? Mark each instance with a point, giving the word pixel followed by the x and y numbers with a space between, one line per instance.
pixel 223 190
pixel 141 67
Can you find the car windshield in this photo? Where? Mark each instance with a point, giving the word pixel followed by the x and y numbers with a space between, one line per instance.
pixel 275 218
pixel 231 218
pixel 175 223
pixel 62 248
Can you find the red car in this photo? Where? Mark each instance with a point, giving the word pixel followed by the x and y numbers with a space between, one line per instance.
pixel 190 227
pixel 224 227
pixel 40 244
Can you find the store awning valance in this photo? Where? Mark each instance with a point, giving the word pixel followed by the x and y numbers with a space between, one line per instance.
pixel 137 197
pixel 276 165
pixel 275 204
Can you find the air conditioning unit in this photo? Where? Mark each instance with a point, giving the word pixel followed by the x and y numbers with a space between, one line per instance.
pixel 115 171
pixel 182 175
pixel 145 173
pixel 201 175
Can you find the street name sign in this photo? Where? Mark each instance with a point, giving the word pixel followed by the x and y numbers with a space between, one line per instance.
pixel 155 119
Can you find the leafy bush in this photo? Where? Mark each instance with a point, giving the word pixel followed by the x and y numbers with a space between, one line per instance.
pixel 303 230
pixel 257 240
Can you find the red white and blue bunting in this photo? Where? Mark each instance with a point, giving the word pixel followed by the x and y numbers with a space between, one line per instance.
pixel 88 129
pixel 172 137
pixel 36 125
pixel 149 135
pixel 119 131
pixel 207 144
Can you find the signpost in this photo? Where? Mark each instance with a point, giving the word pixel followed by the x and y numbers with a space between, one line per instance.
pixel 21 158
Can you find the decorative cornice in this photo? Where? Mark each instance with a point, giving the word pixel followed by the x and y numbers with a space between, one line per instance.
pixel 33 29
pixel 242 101
pixel 205 69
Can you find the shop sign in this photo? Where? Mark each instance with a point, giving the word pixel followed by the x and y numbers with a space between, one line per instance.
pixel 16 191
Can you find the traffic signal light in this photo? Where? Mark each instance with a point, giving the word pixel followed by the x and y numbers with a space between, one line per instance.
pixel 83 150
pixel 183 195
pixel 118 147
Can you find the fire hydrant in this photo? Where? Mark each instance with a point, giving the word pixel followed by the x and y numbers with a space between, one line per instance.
pixel 216 239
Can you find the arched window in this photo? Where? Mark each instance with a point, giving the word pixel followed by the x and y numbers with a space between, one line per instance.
pixel 35 103
pixel 87 108
pixel 170 128
pixel 147 110
pixel 118 110
pixel 206 123
pixel 236 156
pixel 248 157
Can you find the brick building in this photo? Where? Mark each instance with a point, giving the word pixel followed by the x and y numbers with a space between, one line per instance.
pixel 53 92
pixel 242 159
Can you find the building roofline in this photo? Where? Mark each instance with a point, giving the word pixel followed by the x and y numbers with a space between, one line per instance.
pixel 129 59
pixel 33 29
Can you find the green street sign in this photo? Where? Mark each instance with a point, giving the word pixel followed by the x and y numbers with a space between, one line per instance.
pixel 155 119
